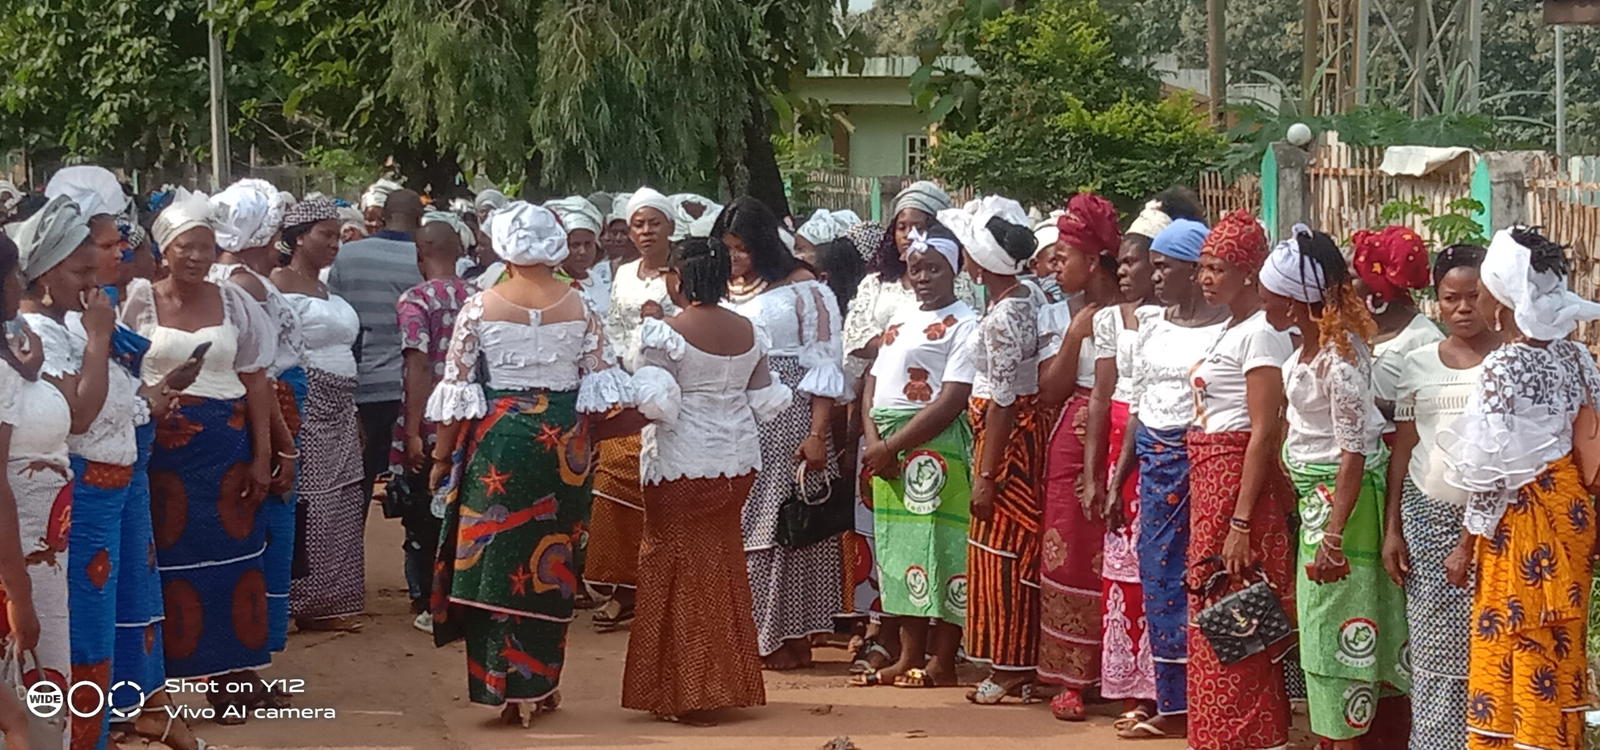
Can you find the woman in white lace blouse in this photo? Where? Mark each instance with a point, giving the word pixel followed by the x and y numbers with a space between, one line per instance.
pixel 705 384
pixel 1002 590
pixel 1530 525
pixel 528 365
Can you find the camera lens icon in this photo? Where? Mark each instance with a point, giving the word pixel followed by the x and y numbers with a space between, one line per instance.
pixel 45 699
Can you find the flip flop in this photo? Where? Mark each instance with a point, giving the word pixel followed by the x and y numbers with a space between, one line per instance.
pixel 1142 730
pixel 919 678
pixel 990 693
pixel 1130 718
pixel 867 679
pixel 1068 706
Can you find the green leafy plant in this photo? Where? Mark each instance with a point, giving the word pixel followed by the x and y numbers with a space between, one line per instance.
pixel 1458 225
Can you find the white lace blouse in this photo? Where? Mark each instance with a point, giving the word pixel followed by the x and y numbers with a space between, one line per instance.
pixel 329 327
pixel 921 351
pixel 1518 421
pixel 1166 355
pixel 109 439
pixel 1005 349
pixel 245 341
pixel 558 348
pixel 801 320
pixel 629 294
pixel 1330 406
pixel 703 407
pixel 1113 340
pixel 291 344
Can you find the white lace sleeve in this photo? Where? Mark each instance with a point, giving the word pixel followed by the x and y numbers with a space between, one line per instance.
pixel 62 355
pixel 604 383
pixel 1107 324
pixel 860 323
pixel 1004 335
pixel 139 309
pixel 258 334
pixel 1350 398
pixel 821 353
pixel 1497 445
pixel 456 396
pixel 1052 325
pixel 768 396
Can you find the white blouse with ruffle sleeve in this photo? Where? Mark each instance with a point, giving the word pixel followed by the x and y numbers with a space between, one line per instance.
pixel 559 348
pixel 109 439
pixel 704 407
pixel 801 320
pixel 1518 421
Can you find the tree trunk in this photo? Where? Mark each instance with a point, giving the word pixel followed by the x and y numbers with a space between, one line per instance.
pixel 766 180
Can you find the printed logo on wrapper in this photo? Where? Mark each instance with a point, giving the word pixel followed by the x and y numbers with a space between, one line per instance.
pixel 1315 514
pixel 1359 707
pixel 956 591
pixel 924 477
pixel 1358 642
pixel 917 585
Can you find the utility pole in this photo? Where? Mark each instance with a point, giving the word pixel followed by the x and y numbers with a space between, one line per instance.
pixel 1363 46
pixel 1310 49
pixel 1561 91
pixel 219 113
pixel 1217 57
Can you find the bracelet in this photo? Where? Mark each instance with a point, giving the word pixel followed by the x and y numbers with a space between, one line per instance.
pixel 293 455
pixel 988 475
pixel 1242 524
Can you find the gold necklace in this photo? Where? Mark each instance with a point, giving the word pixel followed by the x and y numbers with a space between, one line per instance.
pixel 741 291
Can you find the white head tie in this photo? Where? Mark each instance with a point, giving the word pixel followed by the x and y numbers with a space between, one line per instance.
pixel 1545 309
pixel 528 235
pixel 921 243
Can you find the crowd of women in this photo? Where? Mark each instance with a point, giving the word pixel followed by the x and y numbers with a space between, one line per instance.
pixel 1170 465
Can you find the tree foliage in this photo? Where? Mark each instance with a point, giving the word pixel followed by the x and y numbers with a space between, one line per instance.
pixel 1062 108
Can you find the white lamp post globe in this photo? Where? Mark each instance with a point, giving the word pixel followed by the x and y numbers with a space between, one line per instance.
pixel 1299 134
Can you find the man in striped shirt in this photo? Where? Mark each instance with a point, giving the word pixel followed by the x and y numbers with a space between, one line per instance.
pixel 371 274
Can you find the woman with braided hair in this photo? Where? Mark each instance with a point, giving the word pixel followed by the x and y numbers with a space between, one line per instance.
pixel 705 382
pixel 1352 616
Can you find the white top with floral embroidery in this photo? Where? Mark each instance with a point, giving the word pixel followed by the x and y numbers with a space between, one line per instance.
pixel 558 348
pixel 703 407
pixel 1330 405
pixel 921 351
pixel 1005 349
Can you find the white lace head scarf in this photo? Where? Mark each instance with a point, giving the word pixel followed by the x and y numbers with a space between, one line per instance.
pixel 1545 309
pixel 186 211
pixel 825 226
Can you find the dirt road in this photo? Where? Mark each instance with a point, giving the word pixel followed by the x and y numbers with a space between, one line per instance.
pixel 390 688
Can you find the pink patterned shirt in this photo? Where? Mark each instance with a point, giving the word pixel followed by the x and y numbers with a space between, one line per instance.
pixel 427 316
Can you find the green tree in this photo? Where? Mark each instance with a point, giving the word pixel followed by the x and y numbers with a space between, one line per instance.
pixel 1061 108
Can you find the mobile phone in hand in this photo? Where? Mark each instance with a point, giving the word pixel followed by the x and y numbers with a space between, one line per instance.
pixel 200 351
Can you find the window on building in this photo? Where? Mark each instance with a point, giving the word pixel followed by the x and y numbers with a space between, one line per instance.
pixel 916 153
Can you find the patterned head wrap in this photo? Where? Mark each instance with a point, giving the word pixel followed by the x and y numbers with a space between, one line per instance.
pixel 1391 261
pixel 1238 239
pixel 1090 225
pixel 133 236
pixel 452 219
pixel 923 196
pixel 49 236
pixel 576 212
pixel 310 212
pixel 867 236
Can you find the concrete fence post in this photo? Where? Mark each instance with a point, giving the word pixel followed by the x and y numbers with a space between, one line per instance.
pixel 1292 198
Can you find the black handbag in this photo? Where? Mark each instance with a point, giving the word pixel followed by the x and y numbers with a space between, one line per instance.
pixel 1243 623
pixel 813 513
